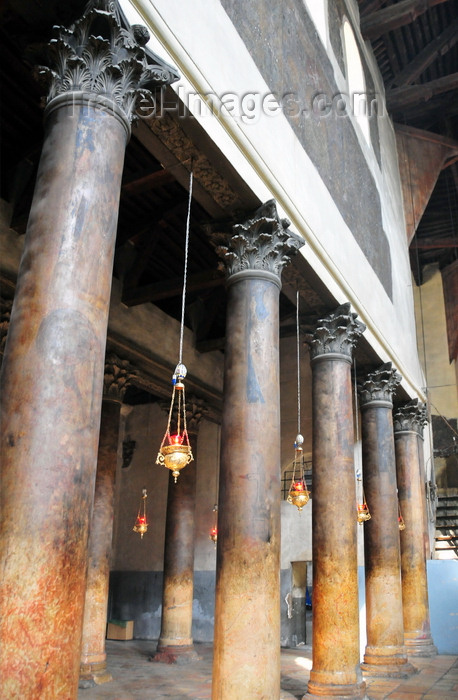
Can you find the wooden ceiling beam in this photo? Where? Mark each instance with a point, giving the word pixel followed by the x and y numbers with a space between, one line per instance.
pixel 394 16
pixel 403 97
pixel 372 7
pixel 172 287
pixel 431 243
pixel 147 182
pixel 438 47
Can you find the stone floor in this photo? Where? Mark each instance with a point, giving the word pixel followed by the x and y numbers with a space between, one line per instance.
pixel 135 677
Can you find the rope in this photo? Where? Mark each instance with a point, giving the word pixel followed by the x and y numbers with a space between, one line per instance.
pixel 185 277
pixel 298 367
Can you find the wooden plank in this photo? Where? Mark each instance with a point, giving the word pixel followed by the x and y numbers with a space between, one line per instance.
pixel 400 98
pixel 431 243
pixel 394 16
pixel 450 287
pixel 172 287
pixel 438 47
pixel 148 182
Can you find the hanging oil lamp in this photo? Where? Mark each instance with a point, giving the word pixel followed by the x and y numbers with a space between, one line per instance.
pixel 141 525
pixel 362 509
pixel 298 494
pixel 214 531
pixel 175 451
pixel 401 523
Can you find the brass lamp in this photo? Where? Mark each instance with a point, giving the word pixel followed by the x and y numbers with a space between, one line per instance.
pixel 298 494
pixel 363 512
pixel 141 524
pixel 175 451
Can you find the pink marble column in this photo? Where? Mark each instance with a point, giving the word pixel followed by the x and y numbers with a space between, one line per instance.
pixel 246 662
pixel 175 643
pixel 52 373
pixel 385 653
pixel 409 420
pixel 117 376
pixel 335 644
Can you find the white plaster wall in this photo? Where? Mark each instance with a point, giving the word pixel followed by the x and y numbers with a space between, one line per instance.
pixel 201 41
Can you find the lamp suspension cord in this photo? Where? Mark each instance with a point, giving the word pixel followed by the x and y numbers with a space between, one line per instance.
pixel 298 367
pixel 356 402
pixel 186 247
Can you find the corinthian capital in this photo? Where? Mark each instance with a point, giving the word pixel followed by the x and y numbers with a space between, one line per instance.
pixel 411 417
pixel 380 385
pixel 117 376
pixel 261 243
pixel 196 409
pixel 5 313
pixel 98 55
pixel 336 333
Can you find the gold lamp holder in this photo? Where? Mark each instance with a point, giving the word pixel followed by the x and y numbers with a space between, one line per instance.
pixel 175 451
pixel 363 511
pixel 401 523
pixel 214 531
pixel 141 525
pixel 298 494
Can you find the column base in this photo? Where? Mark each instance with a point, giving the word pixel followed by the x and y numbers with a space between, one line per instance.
pixel 93 674
pixel 328 691
pixel 388 668
pixel 420 647
pixel 179 655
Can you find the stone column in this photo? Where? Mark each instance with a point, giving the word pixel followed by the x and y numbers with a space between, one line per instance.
pixel 409 420
pixel 52 374
pixel 246 662
pixel 335 644
pixel 117 376
pixel 175 643
pixel 385 651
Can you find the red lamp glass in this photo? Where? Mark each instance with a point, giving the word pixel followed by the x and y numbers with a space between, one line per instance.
pixel 141 524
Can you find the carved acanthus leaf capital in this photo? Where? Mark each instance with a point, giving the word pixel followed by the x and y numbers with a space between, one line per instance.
pixel 263 242
pixel 5 314
pixel 380 385
pixel 410 416
pixel 97 55
pixel 117 377
pixel 196 409
pixel 338 332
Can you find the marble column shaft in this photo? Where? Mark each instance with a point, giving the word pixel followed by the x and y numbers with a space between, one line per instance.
pixel 335 643
pixel 246 662
pixel 385 654
pixel 408 427
pixel 175 641
pixel 93 656
pixel 52 374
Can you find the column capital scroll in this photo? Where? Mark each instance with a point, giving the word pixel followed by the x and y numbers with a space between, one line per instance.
pixel 411 417
pixel 336 334
pixel 5 314
pixel 98 56
pixel 196 409
pixel 261 244
pixel 380 385
pixel 117 377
